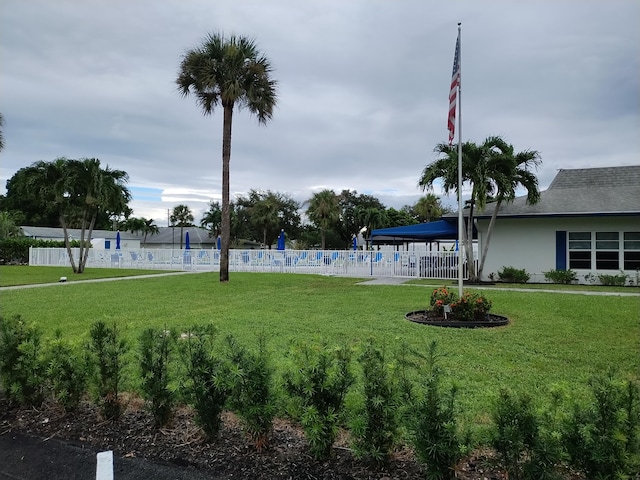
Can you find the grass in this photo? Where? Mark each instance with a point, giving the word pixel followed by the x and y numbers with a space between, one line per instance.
pixel 11 275
pixel 555 340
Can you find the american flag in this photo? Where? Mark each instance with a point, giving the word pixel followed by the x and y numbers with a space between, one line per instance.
pixel 453 92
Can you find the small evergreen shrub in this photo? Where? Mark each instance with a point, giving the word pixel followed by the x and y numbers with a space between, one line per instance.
pixel 22 367
pixel 204 381
pixel 526 450
pixel 67 372
pixel 107 351
pixel 513 275
pixel 561 276
pixel 251 389
pixel 619 280
pixel 603 436
pixel 375 425
pixel 434 428
pixel 319 380
pixel 156 347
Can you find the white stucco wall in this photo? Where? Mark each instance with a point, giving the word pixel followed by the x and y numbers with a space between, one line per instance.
pixel 530 243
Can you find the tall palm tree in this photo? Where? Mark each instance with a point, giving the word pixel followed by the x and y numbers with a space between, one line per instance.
pixel 181 217
pixel 491 170
pixel 446 169
pixel 324 211
pixel 228 72
pixel 509 171
pixel 212 219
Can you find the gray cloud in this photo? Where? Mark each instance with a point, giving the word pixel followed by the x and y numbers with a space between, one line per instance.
pixel 362 90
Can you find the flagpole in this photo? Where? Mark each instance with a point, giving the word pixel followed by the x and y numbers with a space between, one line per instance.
pixel 461 244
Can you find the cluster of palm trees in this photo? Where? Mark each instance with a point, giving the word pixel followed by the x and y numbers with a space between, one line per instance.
pixel 495 173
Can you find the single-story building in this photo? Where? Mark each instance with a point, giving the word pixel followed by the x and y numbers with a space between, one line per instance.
pixel 588 220
pixel 100 239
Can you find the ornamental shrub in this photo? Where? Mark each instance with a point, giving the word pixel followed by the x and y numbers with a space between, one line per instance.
pixel 156 347
pixel 319 380
pixel 471 306
pixel 22 371
pixel 434 429
pixel 603 436
pixel 67 372
pixel 513 275
pixel 375 425
pixel 107 351
pixel 440 297
pixel 613 280
pixel 251 389
pixel 204 383
pixel 561 276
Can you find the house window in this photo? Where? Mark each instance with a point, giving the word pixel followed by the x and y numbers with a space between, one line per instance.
pixel 607 251
pixel 631 250
pixel 604 250
pixel 580 250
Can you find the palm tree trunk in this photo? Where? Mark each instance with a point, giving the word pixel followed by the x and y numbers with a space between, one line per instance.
pixel 469 247
pixel 85 256
pixel 485 246
pixel 67 244
pixel 226 216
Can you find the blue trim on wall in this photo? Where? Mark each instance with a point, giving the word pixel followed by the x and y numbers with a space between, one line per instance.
pixel 561 250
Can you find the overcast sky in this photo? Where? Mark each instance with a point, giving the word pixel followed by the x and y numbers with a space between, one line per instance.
pixel 362 91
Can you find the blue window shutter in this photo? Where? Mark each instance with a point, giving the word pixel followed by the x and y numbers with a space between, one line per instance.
pixel 561 250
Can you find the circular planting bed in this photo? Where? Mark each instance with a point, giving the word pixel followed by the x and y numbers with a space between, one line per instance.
pixel 426 317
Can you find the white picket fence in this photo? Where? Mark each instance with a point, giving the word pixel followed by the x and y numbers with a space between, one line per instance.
pixel 422 264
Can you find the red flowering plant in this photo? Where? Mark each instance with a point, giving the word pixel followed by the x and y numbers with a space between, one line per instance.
pixel 471 306
pixel 439 298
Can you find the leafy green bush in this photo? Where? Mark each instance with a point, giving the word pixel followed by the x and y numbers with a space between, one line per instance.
pixel 375 425
pixel 603 436
pixel 204 382
pixel 107 352
pixel 251 389
pixel 471 306
pixel 22 369
pixel 66 371
pixel 319 379
pixel 15 250
pixel 513 275
pixel 434 428
pixel 561 276
pixel 619 280
pixel 155 349
pixel 440 297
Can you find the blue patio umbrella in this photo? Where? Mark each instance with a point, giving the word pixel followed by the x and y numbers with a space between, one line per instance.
pixel 355 242
pixel 187 244
pixel 118 240
pixel 281 240
pixel 219 243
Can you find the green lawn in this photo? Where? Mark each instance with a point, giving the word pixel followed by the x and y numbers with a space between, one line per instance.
pixel 555 340
pixel 11 275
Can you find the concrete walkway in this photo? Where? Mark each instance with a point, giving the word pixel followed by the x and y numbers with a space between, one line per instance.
pixel 401 281
pixel 374 281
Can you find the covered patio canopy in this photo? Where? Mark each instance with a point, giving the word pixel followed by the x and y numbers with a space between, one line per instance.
pixel 439 230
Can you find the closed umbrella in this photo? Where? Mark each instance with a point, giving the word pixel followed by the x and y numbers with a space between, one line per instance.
pixel 118 240
pixel 355 242
pixel 187 244
pixel 281 240
pixel 219 243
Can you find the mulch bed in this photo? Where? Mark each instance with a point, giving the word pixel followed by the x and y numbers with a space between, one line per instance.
pixel 231 456
pixel 426 317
